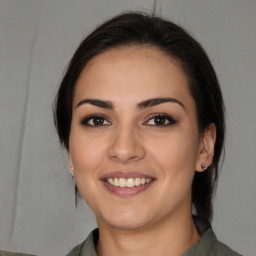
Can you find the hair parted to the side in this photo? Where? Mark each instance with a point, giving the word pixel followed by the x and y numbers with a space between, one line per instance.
pixel 134 29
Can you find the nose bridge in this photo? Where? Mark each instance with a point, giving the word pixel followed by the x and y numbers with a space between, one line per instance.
pixel 126 145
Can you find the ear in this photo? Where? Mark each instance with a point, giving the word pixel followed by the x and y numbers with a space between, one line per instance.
pixel 206 147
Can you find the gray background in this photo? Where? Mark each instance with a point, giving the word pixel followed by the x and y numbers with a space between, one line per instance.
pixel 37 39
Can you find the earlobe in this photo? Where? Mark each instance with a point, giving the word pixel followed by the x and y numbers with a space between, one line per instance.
pixel 206 150
pixel 71 167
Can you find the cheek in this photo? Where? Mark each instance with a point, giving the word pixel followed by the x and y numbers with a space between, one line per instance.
pixel 86 156
pixel 176 150
pixel 176 157
pixel 85 152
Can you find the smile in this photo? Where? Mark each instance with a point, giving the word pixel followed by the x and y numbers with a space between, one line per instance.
pixel 129 183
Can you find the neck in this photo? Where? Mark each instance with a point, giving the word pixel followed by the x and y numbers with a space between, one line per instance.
pixel 170 237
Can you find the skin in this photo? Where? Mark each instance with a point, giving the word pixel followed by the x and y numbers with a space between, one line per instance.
pixel 129 139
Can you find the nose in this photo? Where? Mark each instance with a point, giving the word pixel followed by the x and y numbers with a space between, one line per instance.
pixel 126 146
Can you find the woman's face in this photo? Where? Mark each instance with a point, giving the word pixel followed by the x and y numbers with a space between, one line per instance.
pixel 134 140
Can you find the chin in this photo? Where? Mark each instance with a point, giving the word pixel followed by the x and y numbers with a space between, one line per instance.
pixel 125 221
pixel 129 225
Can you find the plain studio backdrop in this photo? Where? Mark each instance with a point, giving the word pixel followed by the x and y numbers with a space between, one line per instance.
pixel 37 39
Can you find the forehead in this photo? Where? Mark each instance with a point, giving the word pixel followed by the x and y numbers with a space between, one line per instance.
pixel 139 72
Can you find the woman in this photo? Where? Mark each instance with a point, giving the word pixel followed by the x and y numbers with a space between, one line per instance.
pixel 141 115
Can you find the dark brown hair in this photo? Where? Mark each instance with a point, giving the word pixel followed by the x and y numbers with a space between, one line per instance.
pixel 135 28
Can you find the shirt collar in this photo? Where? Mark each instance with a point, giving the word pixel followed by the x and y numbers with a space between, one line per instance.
pixel 201 248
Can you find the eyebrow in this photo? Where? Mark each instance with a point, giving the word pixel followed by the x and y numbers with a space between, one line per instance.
pixel 158 101
pixel 97 103
pixel 144 104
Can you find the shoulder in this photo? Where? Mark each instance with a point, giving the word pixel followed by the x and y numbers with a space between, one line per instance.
pixel 220 249
pixel 7 253
pixel 86 248
pixel 76 251
pixel 208 245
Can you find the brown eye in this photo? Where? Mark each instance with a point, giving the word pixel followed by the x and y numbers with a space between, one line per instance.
pixel 161 121
pixel 95 121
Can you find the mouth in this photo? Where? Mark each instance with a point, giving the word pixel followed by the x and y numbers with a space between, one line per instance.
pixel 127 183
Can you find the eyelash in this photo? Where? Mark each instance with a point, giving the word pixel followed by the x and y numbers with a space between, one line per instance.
pixel 168 120
pixel 87 119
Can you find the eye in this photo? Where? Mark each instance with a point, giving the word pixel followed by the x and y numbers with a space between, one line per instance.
pixel 160 120
pixel 95 120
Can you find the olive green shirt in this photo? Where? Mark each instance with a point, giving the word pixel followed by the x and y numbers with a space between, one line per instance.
pixel 208 245
pixel 7 253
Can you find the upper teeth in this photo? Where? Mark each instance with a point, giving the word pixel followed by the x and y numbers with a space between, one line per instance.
pixel 122 182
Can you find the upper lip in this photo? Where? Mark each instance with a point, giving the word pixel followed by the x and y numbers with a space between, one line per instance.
pixel 125 175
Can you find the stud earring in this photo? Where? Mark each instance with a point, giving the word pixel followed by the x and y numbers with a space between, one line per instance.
pixel 71 169
pixel 204 166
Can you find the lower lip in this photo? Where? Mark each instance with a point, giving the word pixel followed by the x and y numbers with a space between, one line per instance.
pixel 126 192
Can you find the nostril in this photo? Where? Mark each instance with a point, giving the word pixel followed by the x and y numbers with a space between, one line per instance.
pixel 124 158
